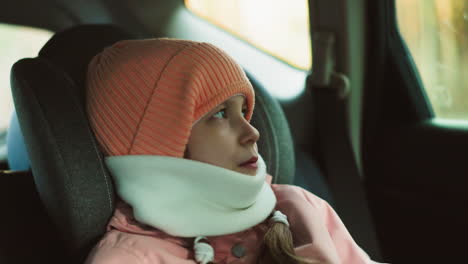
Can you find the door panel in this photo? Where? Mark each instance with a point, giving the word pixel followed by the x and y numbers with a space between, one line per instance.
pixel 417 188
pixel 416 167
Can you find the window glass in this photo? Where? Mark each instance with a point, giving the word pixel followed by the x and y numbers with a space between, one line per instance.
pixel 436 33
pixel 16 42
pixel 278 27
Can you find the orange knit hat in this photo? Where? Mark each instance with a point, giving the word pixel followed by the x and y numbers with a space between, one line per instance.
pixel 143 96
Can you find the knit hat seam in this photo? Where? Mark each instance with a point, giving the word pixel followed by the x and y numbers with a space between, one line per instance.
pixel 137 131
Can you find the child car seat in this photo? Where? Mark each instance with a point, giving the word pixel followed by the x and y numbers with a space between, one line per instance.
pixel 69 175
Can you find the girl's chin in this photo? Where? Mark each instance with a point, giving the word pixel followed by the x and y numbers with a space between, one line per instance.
pixel 248 170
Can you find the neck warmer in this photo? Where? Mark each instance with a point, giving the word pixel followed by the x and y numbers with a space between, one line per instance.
pixel 188 198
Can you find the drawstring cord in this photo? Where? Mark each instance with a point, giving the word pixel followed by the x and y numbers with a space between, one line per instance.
pixel 204 252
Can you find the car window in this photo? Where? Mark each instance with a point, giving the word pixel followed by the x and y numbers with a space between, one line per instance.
pixel 16 42
pixel 264 24
pixel 436 33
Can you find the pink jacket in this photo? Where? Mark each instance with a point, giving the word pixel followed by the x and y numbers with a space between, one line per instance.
pixel 317 232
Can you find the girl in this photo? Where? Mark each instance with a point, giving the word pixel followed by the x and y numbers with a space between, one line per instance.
pixel 172 118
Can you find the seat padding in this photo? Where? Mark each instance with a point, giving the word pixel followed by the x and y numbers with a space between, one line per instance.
pixel 67 166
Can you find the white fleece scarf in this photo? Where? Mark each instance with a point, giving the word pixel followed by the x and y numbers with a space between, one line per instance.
pixel 188 198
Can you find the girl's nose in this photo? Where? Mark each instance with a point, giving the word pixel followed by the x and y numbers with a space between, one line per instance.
pixel 249 134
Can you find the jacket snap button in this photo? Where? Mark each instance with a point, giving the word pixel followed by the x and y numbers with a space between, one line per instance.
pixel 238 250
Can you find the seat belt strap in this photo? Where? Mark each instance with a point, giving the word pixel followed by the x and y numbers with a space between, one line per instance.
pixel 329 91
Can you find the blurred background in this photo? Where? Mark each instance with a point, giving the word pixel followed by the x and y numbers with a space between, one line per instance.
pixel 16 42
pixel 436 32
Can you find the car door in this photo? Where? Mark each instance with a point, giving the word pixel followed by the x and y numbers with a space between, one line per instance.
pixel 415 149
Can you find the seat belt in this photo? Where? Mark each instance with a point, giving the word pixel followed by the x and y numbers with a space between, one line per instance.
pixel 329 91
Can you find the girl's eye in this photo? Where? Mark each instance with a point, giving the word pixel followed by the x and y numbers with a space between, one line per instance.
pixel 220 114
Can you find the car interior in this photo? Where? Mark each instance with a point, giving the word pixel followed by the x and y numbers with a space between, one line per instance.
pixel 356 127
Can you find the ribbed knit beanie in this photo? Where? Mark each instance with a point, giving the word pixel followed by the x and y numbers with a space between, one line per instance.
pixel 144 96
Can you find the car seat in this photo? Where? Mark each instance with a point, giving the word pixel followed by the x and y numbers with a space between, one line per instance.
pixel 68 170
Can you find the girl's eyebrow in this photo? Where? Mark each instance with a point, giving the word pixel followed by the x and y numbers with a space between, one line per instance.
pixel 227 104
pixel 231 102
pixel 221 106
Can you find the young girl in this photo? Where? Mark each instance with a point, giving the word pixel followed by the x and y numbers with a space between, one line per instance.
pixel 172 118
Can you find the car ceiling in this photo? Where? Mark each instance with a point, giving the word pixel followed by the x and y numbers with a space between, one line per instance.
pixel 56 15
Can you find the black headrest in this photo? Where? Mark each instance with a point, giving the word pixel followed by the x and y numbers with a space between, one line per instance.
pixel 72 49
pixel 67 165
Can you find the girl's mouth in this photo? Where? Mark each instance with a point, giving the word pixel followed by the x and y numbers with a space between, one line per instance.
pixel 251 163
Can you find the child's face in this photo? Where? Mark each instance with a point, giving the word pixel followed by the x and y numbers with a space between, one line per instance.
pixel 223 137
